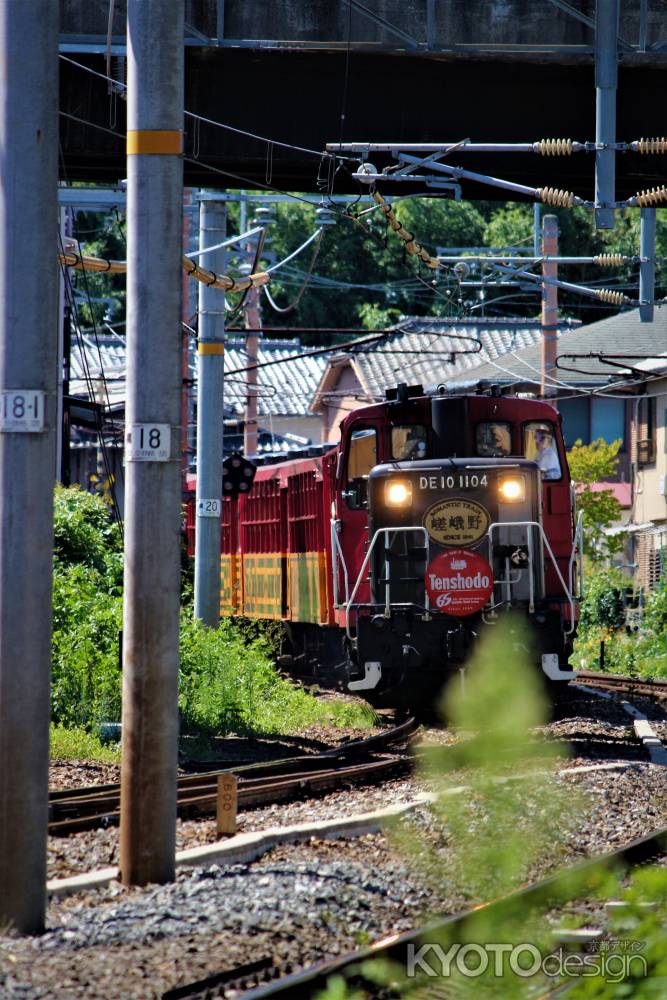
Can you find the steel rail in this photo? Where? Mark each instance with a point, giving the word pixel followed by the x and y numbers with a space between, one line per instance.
pixel 566 884
pixel 73 810
pixel 619 682
pixel 202 800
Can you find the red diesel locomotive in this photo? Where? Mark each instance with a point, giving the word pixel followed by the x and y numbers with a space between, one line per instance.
pixel 387 554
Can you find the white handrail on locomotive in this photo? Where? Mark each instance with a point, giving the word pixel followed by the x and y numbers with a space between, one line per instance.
pixel 578 550
pixel 545 542
pixel 387 610
pixel 336 553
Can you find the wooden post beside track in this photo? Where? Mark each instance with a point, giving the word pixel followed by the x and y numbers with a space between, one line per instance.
pixel 227 804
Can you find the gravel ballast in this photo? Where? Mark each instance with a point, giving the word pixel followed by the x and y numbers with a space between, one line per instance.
pixel 302 903
pixel 296 905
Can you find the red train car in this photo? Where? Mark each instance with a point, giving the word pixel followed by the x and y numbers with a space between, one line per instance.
pixel 386 555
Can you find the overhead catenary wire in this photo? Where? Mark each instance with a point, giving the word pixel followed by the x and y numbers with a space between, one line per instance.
pixel 607 392
pixel 283 310
pixel 216 124
pixel 411 245
pixel 247 181
pixel 604 295
pixel 90 383
pixel 101 265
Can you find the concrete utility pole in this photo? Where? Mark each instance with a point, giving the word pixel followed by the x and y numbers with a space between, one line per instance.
pixel 647 266
pixel 253 325
pixel 152 440
pixel 606 77
pixel 28 360
pixel 210 375
pixel 185 342
pixel 549 305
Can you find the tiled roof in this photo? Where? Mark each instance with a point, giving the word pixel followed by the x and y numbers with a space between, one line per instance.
pixel 106 356
pixel 425 350
pixel 618 334
pixel 284 389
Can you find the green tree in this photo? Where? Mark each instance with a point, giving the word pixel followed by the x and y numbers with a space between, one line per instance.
pixel 591 464
pixel 101 297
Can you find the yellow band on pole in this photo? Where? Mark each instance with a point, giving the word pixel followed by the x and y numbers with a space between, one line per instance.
pixel 160 141
pixel 203 348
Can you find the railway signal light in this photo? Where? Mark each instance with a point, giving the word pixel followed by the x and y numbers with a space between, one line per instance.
pixel 237 475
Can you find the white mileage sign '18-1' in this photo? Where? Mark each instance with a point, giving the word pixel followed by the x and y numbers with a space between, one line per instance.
pixel 459 582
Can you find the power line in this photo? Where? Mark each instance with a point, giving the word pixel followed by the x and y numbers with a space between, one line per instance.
pixel 320 154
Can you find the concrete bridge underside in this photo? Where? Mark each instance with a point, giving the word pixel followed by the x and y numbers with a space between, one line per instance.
pixel 502 70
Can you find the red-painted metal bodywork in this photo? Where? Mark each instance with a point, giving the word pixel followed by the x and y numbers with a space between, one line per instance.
pixel 276 552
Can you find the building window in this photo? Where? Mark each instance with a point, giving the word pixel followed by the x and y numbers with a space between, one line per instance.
pixel 574 411
pixel 608 420
pixel 587 419
pixel 646 431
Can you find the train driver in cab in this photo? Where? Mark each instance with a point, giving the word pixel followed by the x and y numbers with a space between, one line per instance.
pixel 547 456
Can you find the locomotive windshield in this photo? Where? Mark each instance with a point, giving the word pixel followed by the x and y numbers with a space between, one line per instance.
pixel 494 439
pixel 408 442
pixel 361 458
pixel 539 445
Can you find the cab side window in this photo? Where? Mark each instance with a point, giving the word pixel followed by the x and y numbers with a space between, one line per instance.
pixel 539 445
pixel 408 442
pixel 493 439
pixel 361 457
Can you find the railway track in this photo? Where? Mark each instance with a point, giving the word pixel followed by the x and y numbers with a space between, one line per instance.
pixel 360 761
pixel 587 876
pixel 621 684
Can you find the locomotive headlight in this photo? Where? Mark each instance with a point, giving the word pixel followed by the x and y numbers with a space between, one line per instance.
pixel 398 493
pixel 512 489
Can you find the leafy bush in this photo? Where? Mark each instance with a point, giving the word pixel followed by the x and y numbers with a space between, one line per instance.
pixel 641 653
pixel 85 671
pixel 603 604
pixel 78 744
pixel 591 464
pixel 85 533
pixel 87 610
pixel 227 680
pixel 229 683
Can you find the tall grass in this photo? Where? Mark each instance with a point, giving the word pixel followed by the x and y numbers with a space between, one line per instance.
pixel 228 682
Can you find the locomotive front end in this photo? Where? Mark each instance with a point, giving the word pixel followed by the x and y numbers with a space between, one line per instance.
pixel 453 542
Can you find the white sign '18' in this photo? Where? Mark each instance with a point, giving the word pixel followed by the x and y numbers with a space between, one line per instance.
pixel 149 443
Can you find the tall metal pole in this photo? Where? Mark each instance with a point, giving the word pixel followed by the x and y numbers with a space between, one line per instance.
pixel 549 304
pixel 647 265
pixel 606 75
pixel 152 490
pixel 253 325
pixel 28 358
pixel 185 349
pixel 210 374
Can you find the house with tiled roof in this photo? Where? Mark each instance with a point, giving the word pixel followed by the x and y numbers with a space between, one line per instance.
pixel 590 360
pixel 649 450
pixel 286 383
pixel 420 349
